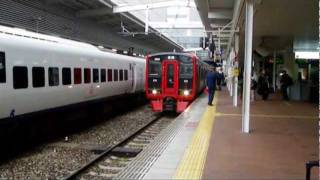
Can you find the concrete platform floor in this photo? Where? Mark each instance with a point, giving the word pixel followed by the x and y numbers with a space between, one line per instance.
pixel 284 136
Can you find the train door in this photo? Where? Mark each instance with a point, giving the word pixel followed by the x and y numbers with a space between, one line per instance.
pixel 170 77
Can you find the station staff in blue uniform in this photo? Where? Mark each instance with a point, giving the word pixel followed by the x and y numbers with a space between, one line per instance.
pixel 211 85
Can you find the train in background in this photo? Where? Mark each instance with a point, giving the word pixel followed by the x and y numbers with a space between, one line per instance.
pixel 173 80
pixel 41 73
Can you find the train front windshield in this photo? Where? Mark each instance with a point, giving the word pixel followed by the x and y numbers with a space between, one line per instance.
pixel 154 75
pixel 185 76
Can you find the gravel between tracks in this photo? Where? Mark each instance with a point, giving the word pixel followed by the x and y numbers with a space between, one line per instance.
pixel 53 161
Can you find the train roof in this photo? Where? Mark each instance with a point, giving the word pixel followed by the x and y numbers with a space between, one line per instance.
pixel 55 40
pixel 172 53
pixel 43 37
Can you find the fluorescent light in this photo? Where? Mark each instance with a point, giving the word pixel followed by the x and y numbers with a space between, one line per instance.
pixel 306 55
pixel 114 50
pixel 100 47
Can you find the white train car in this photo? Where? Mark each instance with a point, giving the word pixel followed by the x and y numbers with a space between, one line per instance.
pixel 40 72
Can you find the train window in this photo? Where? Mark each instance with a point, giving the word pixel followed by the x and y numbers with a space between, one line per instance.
pixel 87 75
pixel 95 75
pixel 103 75
pixel 66 76
pixel 185 59
pixel 115 74
pixel 53 76
pixel 125 75
pixel 77 75
pixel 121 74
pixel 38 77
pixel 154 68
pixel 20 77
pixel 109 75
pixel 2 67
pixel 185 70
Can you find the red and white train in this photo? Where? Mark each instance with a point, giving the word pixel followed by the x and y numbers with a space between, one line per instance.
pixel 173 80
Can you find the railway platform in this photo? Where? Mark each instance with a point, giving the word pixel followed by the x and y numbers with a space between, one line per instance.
pixel 206 142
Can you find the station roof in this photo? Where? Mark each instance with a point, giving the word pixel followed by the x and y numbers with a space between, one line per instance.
pixel 124 23
pixel 278 25
pixel 179 20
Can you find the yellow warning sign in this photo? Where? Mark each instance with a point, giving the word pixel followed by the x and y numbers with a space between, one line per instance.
pixel 235 72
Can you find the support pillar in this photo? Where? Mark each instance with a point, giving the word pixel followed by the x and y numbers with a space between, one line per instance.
pixel 274 71
pixel 146 31
pixel 231 76
pixel 247 67
pixel 236 65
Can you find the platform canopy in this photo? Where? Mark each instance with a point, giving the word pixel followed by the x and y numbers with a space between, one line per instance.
pixel 124 23
pixel 179 20
pixel 278 25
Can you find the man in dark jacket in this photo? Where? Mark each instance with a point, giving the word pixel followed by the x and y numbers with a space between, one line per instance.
pixel 211 85
pixel 285 82
pixel 263 85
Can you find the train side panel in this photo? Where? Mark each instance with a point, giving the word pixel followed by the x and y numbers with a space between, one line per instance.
pixel 23 52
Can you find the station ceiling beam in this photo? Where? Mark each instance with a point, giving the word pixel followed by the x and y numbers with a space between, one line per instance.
pixel 94 12
pixel 166 25
pixel 128 8
pixel 108 21
pixel 220 13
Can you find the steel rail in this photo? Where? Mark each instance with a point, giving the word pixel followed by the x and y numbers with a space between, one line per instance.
pixel 109 150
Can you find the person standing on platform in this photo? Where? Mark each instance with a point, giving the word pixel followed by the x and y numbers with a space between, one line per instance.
pixel 263 85
pixel 211 85
pixel 253 88
pixel 285 82
pixel 220 79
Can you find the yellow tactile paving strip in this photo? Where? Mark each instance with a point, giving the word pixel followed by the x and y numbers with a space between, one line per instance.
pixel 193 161
pixel 270 116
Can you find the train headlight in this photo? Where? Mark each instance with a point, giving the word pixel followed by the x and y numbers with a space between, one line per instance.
pixel 186 92
pixel 154 92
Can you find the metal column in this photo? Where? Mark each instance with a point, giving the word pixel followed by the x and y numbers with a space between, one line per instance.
pixel 274 71
pixel 146 31
pixel 230 65
pixel 236 65
pixel 247 67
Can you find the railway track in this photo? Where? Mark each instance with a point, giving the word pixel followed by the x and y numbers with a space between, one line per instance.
pixel 113 159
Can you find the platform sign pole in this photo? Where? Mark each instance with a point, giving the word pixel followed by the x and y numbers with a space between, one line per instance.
pixel 247 67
